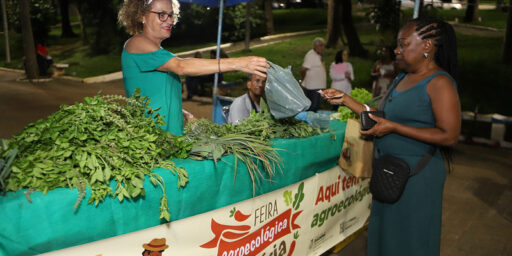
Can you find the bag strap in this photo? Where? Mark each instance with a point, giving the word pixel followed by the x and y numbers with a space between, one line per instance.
pixel 424 161
pixel 388 93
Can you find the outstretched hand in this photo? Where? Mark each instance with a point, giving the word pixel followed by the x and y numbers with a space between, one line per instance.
pixel 381 128
pixel 332 95
pixel 253 65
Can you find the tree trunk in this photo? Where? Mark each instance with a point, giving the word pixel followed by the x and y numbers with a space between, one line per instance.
pixel 6 33
pixel 270 17
pixel 507 47
pixel 83 33
pixel 420 8
pixel 247 26
pixel 67 31
pixel 29 48
pixel 471 11
pixel 499 4
pixel 334 27
pixel 354 44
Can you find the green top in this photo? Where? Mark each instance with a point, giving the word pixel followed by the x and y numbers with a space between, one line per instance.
pixel 163 88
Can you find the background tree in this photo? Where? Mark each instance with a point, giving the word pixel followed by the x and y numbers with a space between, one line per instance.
pixel 354 44
pixel 269 17
pixel 247 25
pixel 101 16
pixel 66 31
pixel 29 48
pixel 499 4
pixel 42 16
pixel 471 11
pixel 507 47
pixel 386 15
pixel 334 26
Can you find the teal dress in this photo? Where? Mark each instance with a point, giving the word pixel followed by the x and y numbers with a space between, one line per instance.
pixel 163 88
pixel 411 226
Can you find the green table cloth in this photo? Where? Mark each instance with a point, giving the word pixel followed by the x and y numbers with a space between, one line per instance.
pixel 49 222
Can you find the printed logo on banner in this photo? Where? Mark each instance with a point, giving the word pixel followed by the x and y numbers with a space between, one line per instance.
pixel 267 226
pixel 155 248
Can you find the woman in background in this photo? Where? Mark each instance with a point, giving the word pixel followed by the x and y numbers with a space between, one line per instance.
pixel 341 72
pixel 383 72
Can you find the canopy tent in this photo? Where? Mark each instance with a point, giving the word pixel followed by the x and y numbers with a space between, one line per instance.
pixel 220 4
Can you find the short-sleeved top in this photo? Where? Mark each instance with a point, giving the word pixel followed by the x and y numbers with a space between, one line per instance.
pixel 315 75
pixel 339 81
pixel 163 88
pixel 241 108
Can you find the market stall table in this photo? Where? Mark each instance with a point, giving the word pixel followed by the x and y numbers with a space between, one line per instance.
pixel 49 222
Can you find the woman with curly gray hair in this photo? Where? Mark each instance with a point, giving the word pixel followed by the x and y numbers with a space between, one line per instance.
pixel 146 65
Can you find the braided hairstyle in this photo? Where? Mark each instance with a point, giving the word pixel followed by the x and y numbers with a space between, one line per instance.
pixel 444 39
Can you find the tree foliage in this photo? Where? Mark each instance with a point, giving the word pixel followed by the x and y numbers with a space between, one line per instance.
pixel 101 17
pixel 42 16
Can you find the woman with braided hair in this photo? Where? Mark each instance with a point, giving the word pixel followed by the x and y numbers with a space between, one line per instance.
pixel 422 110
pixel 146 65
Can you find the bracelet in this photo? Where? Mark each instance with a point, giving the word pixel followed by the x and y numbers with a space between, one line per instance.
pixel 366 106
pixel 218 64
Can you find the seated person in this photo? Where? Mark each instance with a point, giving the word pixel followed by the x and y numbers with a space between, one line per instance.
pixel 194 82
pixel 242 106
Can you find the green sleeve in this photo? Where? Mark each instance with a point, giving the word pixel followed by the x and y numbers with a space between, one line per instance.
pixel 152 60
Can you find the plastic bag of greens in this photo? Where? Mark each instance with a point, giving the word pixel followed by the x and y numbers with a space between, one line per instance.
pixel 284 95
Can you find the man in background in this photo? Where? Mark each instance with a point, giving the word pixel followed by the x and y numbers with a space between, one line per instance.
pixel 242 106
pixel 313 74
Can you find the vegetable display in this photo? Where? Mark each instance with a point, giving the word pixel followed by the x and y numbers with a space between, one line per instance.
pixel 249 141
pixel 109 144
pixel 92 143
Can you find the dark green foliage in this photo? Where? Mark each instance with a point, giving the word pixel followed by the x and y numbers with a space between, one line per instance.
pixel 92 143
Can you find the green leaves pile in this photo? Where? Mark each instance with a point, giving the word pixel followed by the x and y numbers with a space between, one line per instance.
pixel 359 94
pixel 110 143
pixel 92 143
pixel 249 141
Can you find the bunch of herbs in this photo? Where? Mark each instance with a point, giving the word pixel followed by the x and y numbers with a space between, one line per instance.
pixel 93 143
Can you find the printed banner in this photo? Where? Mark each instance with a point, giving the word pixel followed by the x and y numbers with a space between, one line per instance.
pixel 306 218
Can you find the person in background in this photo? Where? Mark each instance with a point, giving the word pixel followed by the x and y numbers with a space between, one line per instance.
pixel 313 73
pixel 242 106
pixel 146 65
pixel 423 110
pixel 341 72
pixel 193 82
pixel 383 72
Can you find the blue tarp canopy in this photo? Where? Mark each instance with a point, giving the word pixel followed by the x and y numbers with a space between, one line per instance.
pixel 220 4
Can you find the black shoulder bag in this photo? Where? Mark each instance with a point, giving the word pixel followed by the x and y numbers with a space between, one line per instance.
pixel 390 173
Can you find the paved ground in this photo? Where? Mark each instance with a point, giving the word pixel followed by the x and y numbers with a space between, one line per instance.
pixel 477 209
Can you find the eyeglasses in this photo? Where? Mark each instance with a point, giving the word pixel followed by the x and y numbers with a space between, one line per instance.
pixel 163 16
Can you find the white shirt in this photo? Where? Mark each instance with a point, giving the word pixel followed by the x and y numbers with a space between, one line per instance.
pixel 315 74
pixel 240 109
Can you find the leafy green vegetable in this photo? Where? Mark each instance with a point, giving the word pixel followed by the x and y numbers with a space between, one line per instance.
pixel 94 142
pixel 361 95
pixel 249 141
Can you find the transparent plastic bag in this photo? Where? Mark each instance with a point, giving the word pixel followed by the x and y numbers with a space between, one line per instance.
pixel 283 93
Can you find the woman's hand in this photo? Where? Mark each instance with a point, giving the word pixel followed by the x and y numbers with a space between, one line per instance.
pixel 252 64
pixel 333 96
pixel 188 116
pixel 381 128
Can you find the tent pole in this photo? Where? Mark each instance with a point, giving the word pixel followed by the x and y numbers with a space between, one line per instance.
pixel 416 9
pixel 215 81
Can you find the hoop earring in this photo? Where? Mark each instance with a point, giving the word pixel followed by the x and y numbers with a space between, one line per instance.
pixel 425 54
